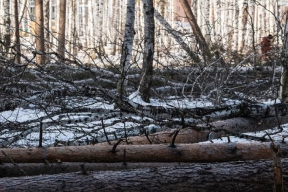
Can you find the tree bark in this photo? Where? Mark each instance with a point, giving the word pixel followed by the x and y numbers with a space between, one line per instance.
pixel 147 65
pixel 17 35
pixel 61 31
pixel 7 23
pixel 284 78
pixel 47 27
pixel 196 29
pixel 39 32
pixel 176 35
pixel 200 152
pixel 24 169
pixel 127 45
pixel 234 176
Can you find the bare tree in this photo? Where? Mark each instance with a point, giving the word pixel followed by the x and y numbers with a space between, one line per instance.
pixel 62 28
pixel 39 32
pixel 147 65
pixel 127 46
pixel 196 29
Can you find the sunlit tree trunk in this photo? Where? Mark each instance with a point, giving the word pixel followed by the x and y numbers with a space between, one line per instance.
pixel 196 29
pixel 39 32
pixel 62 28
pixel 127 46
pixel 147 65
pixel 113 24
pixel 99 22
pixel 47 29
pixel 91 29
pixel 243 25
pixel 73 35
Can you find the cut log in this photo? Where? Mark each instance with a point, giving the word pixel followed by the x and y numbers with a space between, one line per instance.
pixel 10 170
pixel 199 152
pixel 234 176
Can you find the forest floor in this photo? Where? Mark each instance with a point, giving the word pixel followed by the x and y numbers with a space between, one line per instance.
pixel 77 105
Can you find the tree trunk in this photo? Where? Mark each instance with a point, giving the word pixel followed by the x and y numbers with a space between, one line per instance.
pixel 147 65
pixel 47 27
pixel 7 23
pixel 25 169
pixel 234 176
pixel 176 36
pixel 200 152
pixel 61 31
pixel 17 35
pixel 284 77
pixel 39 32
pixel 196 29
pixel 127 46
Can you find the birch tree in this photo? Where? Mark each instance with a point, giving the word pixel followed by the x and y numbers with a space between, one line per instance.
pixel 46 14
pixel 147 65
pixel 62 29
pixel 127 45
pixel 7 23
pixel 39 32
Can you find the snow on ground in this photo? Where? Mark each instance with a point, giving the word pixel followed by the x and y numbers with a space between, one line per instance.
pixel 87 130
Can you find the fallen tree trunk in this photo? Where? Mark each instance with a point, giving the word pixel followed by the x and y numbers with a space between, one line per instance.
pixel 199 152
pixel 25 169
pixel 234 176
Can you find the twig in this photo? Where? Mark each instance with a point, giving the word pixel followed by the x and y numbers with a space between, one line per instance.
pixel 174 137
pixel 46 162
pixel 103 126
pixel 125 132
pixel 40 134
pixel 83 169
pixel 17 166
pixel 146 134
pixel 115 145
pixel 124 158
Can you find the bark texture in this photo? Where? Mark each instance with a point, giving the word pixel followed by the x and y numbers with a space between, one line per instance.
pixel 39 31
pixel 127 46
pixel 61 31
pixel 236 176
pixel 24 169
pixel 17 35
pixel 7 24
pixel 196 29
pixel 200 152
pixel 176 35
pixel 147 66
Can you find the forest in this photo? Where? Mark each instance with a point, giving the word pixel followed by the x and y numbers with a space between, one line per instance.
pixel 143 95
